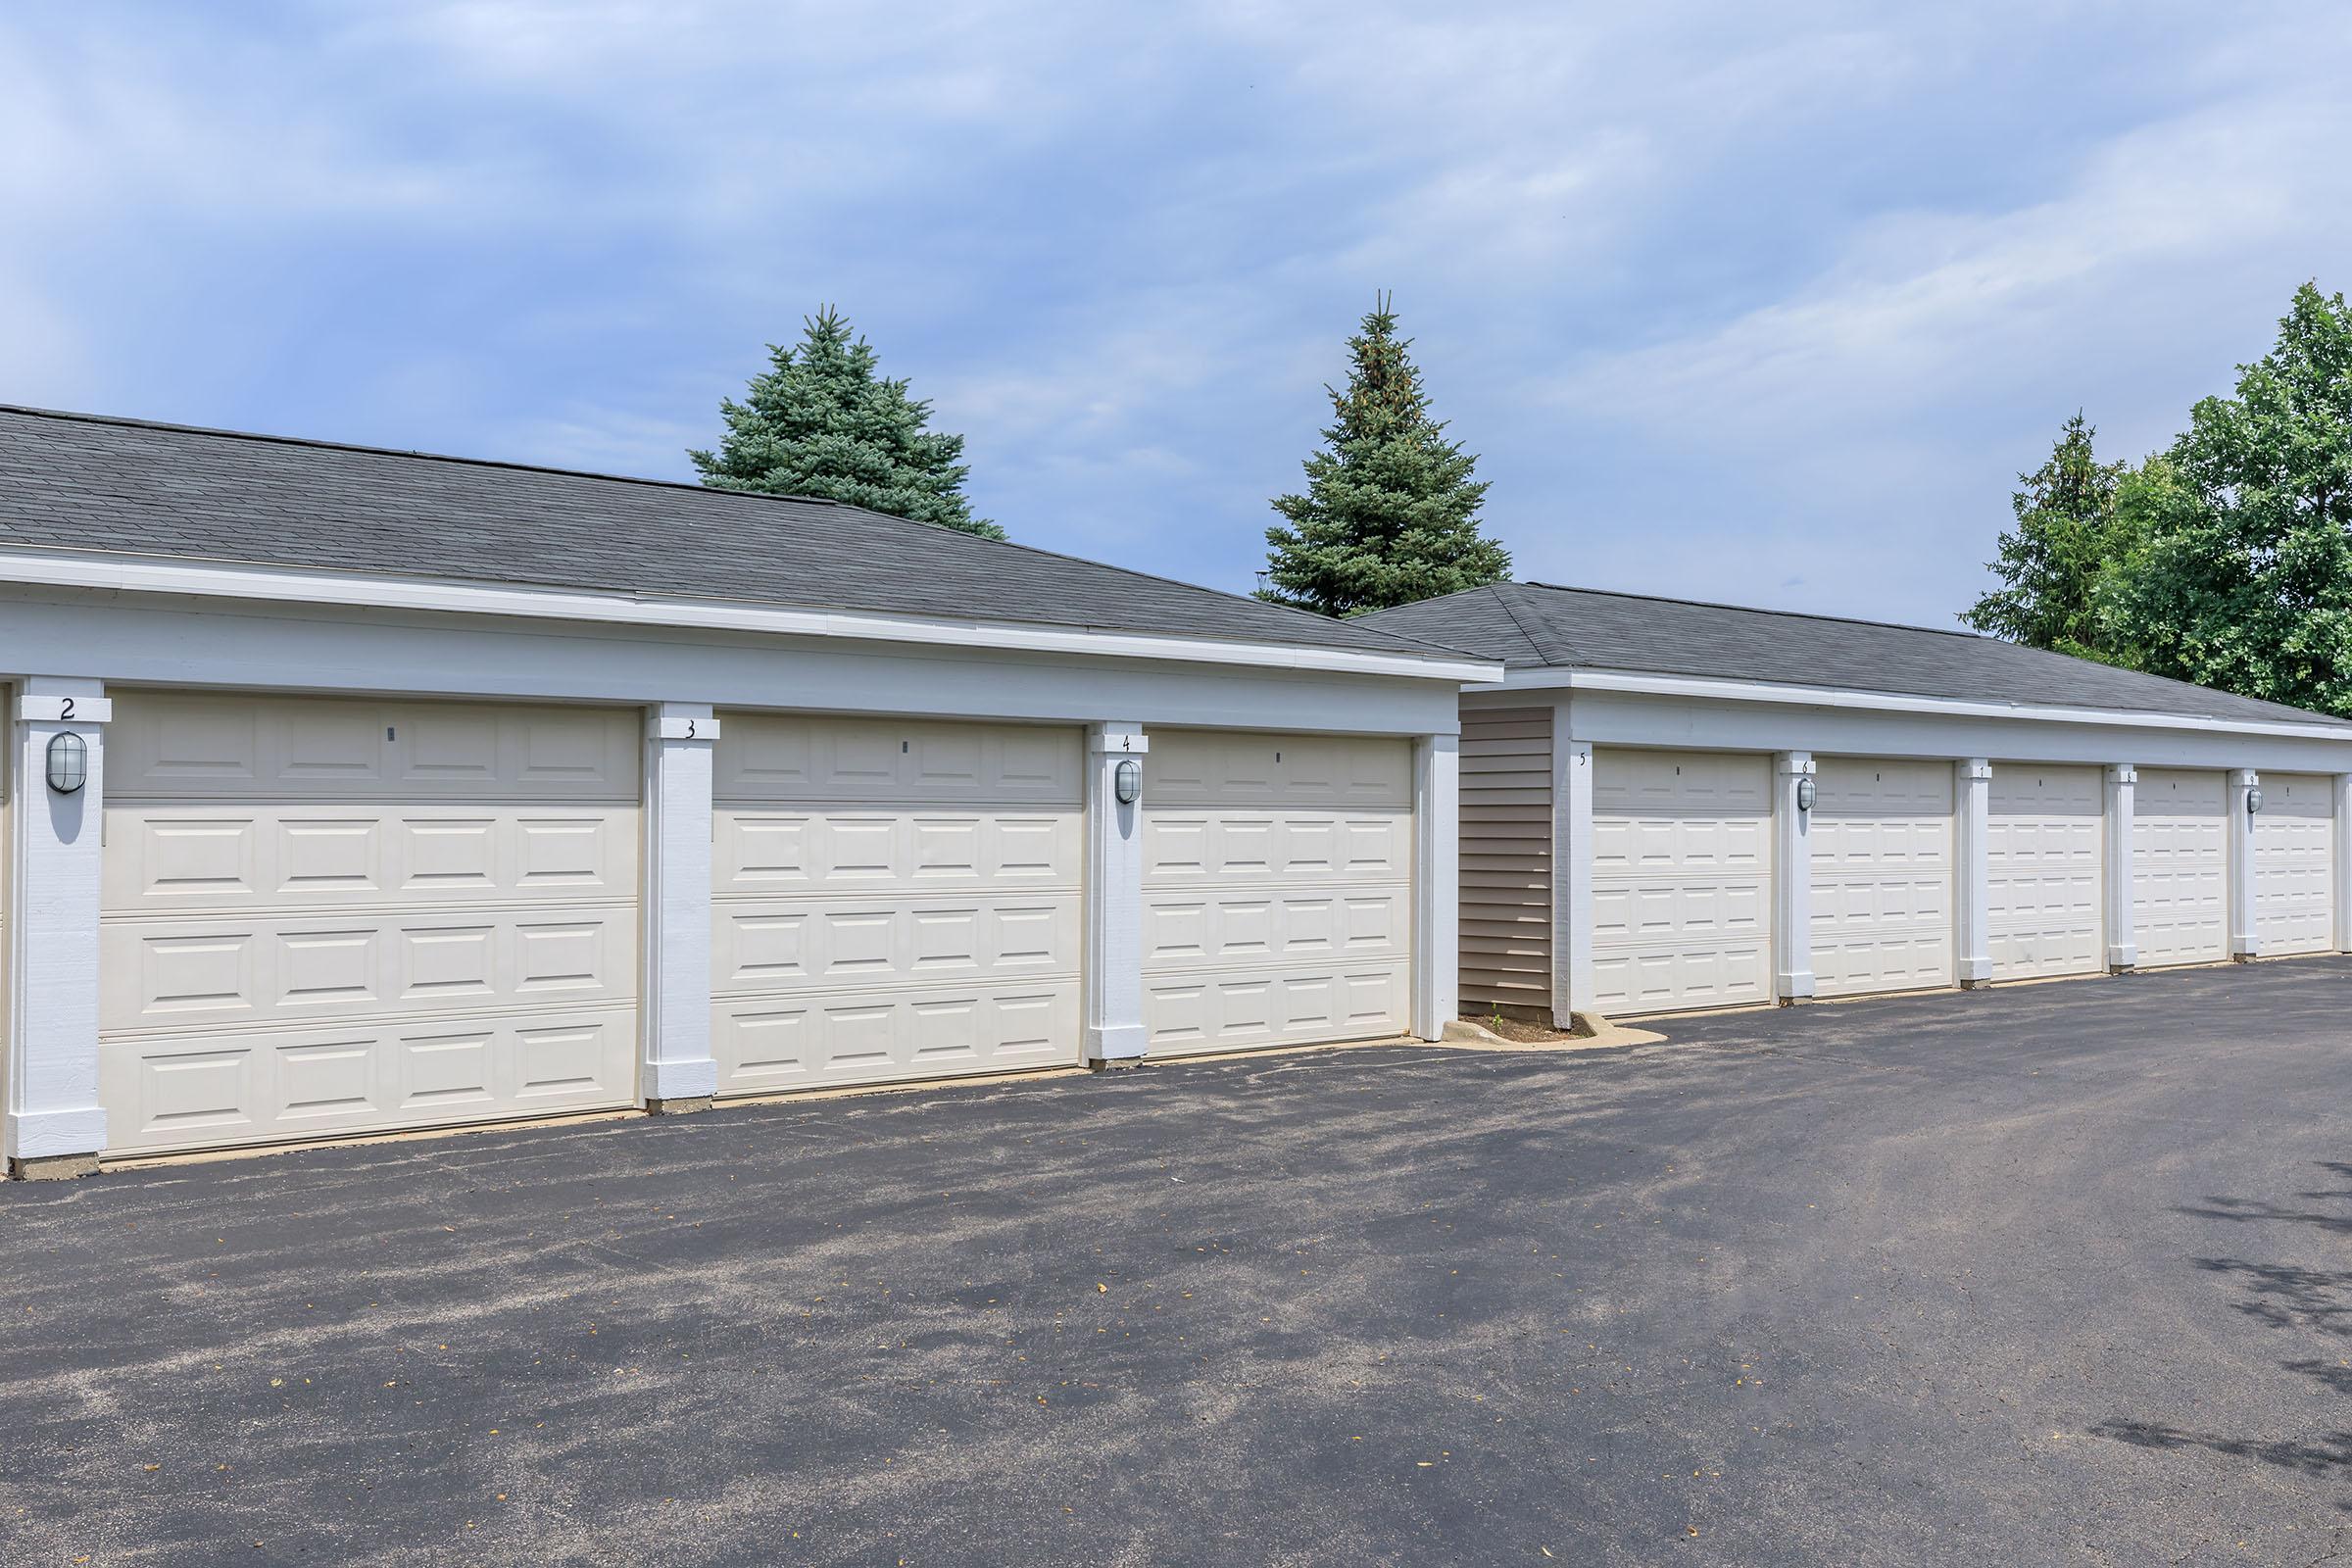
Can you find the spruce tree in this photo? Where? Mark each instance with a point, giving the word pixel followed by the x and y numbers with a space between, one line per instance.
pixel 820 421
pixel 2071 538
pixel 1391 513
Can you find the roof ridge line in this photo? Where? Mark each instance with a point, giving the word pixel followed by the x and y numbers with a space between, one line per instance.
pixel 323 443
pixel 1504 601
pixel 1760 610
pixel 1576 655
pixel 1973 637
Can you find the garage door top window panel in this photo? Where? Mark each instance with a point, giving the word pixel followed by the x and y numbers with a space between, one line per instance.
pixel 850 760
pixel 206 748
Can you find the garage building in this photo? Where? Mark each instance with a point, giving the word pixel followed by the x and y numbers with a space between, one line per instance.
pixel 354 791
pixel 1670 806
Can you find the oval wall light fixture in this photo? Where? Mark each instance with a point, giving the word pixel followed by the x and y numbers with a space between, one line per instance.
pixel 69 761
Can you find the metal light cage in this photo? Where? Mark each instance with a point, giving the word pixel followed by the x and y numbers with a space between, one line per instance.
pixel 69 761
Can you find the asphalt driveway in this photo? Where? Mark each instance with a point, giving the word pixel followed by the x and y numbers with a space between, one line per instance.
pixel 2051 1274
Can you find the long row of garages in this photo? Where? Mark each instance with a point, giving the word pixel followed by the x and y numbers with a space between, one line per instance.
pixel 1683 874
pixel 323 916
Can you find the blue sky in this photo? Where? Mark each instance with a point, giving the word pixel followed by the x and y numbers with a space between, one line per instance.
pixel 1766 303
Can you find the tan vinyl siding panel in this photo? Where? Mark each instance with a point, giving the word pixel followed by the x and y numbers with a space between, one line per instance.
pixel 1506 857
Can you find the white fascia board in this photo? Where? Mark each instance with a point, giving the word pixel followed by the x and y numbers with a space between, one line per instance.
pixel 1746 690
pixel 288 585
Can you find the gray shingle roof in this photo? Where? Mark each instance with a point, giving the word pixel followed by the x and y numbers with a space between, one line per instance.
pixel 1535 625
pixel 85 482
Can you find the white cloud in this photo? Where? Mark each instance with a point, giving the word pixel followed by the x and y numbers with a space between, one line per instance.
pixel 1868 422
pixel 132 124
pixel 1926 306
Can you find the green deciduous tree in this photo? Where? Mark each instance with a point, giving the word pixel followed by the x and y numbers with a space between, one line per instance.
pixel 2244 579
pixel 820 421
pixel 2069 537
pixel 1391 513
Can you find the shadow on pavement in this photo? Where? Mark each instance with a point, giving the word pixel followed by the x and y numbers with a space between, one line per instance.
pixel 2279 1295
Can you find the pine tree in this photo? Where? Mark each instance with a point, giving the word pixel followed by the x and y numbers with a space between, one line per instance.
pixel 2071 539
pixel 821 422
pixel 1391 513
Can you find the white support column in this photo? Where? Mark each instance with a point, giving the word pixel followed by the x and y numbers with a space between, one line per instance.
pixel 677 1071
pixel 2340 868
pixel 2122 950
pixel 2245 942
pixel 56 1125
pixel 1792 878
pixel 1436 984
pixel 1571 873
pixel 1975 880
pixel 1114 986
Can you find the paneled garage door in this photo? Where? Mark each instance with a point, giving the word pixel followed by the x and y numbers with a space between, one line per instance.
pixel 2294 865
pixel 893 899
pixel 1277 890
pixel 1681 860
pixel 326 916
pixel 2045 862
pixel 2180 913
pixel 1882 835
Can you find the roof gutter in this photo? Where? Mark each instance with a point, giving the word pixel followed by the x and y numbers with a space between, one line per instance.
pixel 1745 690
pixel 291 585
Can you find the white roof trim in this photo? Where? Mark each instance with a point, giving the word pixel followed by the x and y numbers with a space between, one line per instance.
pixel 292 585
pixel 1747 691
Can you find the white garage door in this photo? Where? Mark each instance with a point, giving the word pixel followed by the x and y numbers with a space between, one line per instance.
pixel 1681 860
pixel 1277 890
pixel 893 899
pixel 2294 859
pixel 2045 862
pixel 1882 834
pixel 2180 913
pixel 326 916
